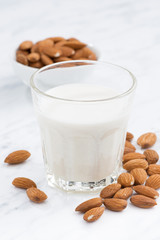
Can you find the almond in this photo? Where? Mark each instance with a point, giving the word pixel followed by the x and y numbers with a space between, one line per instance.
pixel 37 64
pixel 22 52
pixel 128 150
pixel 115 204
pixel 36 195
pixel 93 214
pixel 21 58
pixel 142 201
pixel 47 43
pixel 60 43
pixel 139 175
pixel 147 140
pixel 57 39
pixel 46 60
pixel 17 157
pixel 129 136
pixel 84 53
pixel 74 44
pixel 89 204
pixel 129 145
pixel 124 193
pixel 34 48
pixel 110 190
pixel 130 156
pixel 125 179
pixel 146 191
pixel 62 59
pixel 153 181
pixel 33 57
pixel 153 169
pixel 22 182
pixel 66 51
pixel 135 163
pixel 26 45
pixel 52 51
pixel 151 156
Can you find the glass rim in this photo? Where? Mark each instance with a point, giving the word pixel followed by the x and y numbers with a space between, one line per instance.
pixel 130 90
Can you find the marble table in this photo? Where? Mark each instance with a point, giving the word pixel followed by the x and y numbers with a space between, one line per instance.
pixel 127 33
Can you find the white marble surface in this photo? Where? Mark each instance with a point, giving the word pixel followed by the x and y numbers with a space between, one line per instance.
pixel 127 33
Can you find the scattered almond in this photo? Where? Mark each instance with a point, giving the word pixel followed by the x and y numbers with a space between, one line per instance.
pixel 110 190
pixel 128 150
pixel 151 156
pixel 17 157
pixel 115 204
pixel 142 201
pixel 22 182
pixel 126 180
pixel 153 169
pixel 139 175
pixel 136 163
pixel 129 145
pixel 129 136
pixel 89 204
pixel 26 45
pixel 124 193
pixel 93 214
pixel 153 181
pixel 130 156
pixel 36 195
pixel 146 191
pixel 147 140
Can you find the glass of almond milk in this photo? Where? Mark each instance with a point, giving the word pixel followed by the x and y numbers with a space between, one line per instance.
pixel 82 109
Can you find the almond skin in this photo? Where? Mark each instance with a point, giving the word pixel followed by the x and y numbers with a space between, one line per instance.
pixel 146 191
pixel 139 175
pixel 93 214
pixel 33 57
pixel 142 201
pixel 128 150
pixel 124 193
pixel 36 195
pixel 136 163
pixel 147 140
pixel 110 190
pixel 17 157
pixel 130 156
pixel 153 181
pixel 153 169
pixel 151 156
pixel 115 204
pixel 26 45
pixel 126 180
pixel 89 204
pixel 129 136
pixel 22 182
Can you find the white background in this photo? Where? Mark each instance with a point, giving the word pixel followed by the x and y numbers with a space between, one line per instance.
pixel 127 32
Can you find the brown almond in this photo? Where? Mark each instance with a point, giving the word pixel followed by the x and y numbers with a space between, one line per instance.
pixel 47 43
pixel 46 60
pixel 84 53
pixel 21 58
pixel 151 156
pixel 128 150
pixel 110 190
pixel 36 195
pixel 26 45
pixel 22 52
pixel 115 204
pixel 60 43
pixel 22 182
pixel 52 51
pixel 135 163
pixel 66 51
pixel 89 204
pixel 17 157
pixel 147 140
pixel 134 155
pixel 37 64
pixel 153 169
pixel 72 39
pixel 153 181
pixel 62 59
pixel 93 214
pixel 33 57
pixel 34 48
pixel 124 193
pixel 74 44
pixel 57 39
pixel 129 145
pixel 129 136
pixel 139 175
pixel 146 191
pixel 142 201
pixel 126 180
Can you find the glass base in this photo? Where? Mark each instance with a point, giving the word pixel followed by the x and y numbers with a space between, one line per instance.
pixel 80 186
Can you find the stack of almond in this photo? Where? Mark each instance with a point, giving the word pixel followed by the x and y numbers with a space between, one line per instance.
pixel 138 167
pixel 52 50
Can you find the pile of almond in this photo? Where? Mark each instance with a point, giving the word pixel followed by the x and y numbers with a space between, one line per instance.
pixel 52 50
pixel 142 177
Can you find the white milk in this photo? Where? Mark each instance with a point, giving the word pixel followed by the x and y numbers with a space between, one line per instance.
pixel 82 141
